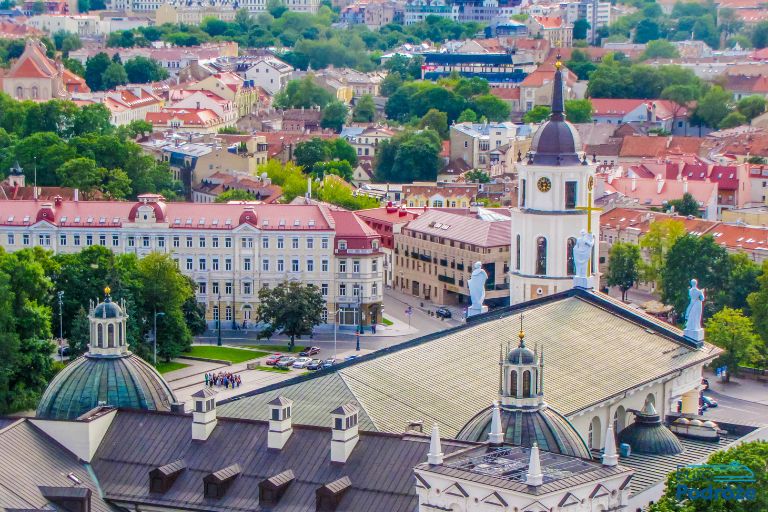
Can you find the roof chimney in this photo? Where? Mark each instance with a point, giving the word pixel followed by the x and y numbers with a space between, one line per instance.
pixel 534 476
pixel 435 455
pixel 496 436
pixel 344 432
pixel 685 185
pixel 77 195
pixel 280 429
pixel 634 183
pixel 610 457
pixel 203 414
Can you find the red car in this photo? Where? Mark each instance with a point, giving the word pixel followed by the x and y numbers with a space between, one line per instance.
pixel 273 359
pixel 309 351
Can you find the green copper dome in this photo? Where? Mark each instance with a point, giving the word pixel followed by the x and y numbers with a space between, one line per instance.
pixel 89 381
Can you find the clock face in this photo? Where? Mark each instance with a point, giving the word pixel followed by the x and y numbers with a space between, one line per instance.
pixel 544 184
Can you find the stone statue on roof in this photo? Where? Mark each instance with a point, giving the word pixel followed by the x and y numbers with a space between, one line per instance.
pixel 477 289
pixel 694 312
pixel 582 252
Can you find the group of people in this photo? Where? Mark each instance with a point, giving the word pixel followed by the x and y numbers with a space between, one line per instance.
pixel 225 379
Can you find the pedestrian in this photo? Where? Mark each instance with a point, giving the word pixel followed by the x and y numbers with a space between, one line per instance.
pixel 373 328
pixel 206 379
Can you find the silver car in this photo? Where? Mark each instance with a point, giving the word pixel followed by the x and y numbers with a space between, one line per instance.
pixel 302 362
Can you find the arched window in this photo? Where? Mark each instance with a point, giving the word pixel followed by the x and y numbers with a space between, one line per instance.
pixel 541 256
pixel 570 244
pixel 120 334
pixel 19 92
pixel 513 383
pixel 34 92
pixel 100 339
pixel 517 254
pixel 619 417
pixel 594 434
pixel 527 384
pixel 111 335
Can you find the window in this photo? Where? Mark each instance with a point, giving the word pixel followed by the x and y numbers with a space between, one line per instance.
pixel 189 264
pixel 246 242
pixel 215 287
pixel 517 253
pixel 571 268
pixel 280 242
pixel 246 288
pixel 202 264
pixel 294 265
pixel 247 264
pixel 310 243
pixel 294 243
pixel 541 256
pixel 25 239
pixel 215 242
pixel 343 290
pixel 43 239
pixel 216 313
pixel 356 266
pixel 228 288
pixel 160 241
pixel 374 289
pixel 175 241
pixel 228 242
pixel 265 243
pixel 228 313
pixel 342 245
pixel 144 241
pixel 202 287
pixel 522 195
pixel 228 264
pixel 310 265
pixel 89 240
pixel 62 239
pixel 513 383
pixel 324 243
pixel 280 265
pixel 189 241
pixel 12 239
pixel 215 264
pixel 342 266
pixel 570 195
pixel 324 289
pixel 265 265
pixel 76 239
pixel 201 242
pixel 375 265
pixel 324 266
pixel 527 384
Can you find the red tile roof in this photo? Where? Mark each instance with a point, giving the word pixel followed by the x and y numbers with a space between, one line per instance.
pixel 506 93
pixel 643 146
pixel 549 22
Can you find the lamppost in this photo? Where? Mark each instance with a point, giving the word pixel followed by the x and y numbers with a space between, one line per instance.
pixel 218 323
pixel 360 312
pixel 61 325
pixel 154 337
pixel 335 325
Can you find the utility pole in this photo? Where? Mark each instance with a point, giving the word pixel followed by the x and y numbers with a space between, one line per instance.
pixel 61 326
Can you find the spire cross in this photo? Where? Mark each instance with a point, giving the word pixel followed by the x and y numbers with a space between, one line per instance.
pixel 589 208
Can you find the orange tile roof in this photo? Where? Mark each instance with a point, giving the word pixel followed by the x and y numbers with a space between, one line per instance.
pixel 506 93
pixel 549 21
pixel 643 146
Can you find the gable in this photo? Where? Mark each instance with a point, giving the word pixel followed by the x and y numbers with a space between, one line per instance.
pixel 456 490
pixel 599 492
pixel 495 499
pixel 569 500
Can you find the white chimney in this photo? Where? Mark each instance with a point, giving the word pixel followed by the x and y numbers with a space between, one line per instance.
pixel 659 184
pixel 203 414
pixel 610 457
pixel 685 185
pixel 344 432
pixel 634 183
pixel 496 436
pixel 280 428
pixel 77 195
pixel 534 475
pixel 435 455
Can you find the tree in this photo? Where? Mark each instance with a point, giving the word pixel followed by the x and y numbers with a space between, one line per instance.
pixel 74 66
pixel 234 194
pixel 743 280
pixel 214 26
pixel 537 114
pixel 334 116
pixel 113 76
pixel 581 64
pixel 730 330
pixel 491 107
pixel 365 110
pixel 409 156
pixel 624 266
pixel 578 111
pixel 760 35
pixel 713 107
pixel 758 306
pixel 141 70
pixel 477 176
pixel 94 70
pixel 646 30
pixel 437 121
pixel 84 174
pixel 693 257
pixel 309 152
pixel 686 206
pixel 468 116
pixel 660 49
pixel 580 28
pixel 680 95
pixel 751 106
pixel 733 120
pixel 340 149
pixel 754 455
pixel 292 308
pixel 661 236
pixel 302 93
pixel 80 334
pixel 390 83
pixel 339 168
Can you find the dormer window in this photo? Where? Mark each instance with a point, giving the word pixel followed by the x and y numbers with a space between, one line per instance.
pixel 342 245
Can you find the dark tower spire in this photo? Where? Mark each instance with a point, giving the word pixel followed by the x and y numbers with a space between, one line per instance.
pixel 558 104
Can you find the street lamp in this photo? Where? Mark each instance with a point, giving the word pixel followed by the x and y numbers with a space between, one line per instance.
pixel 61 325
pixel 335 325
pixel 218 323
pixel 154 338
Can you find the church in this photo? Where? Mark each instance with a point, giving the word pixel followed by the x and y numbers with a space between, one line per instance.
pixel 565 400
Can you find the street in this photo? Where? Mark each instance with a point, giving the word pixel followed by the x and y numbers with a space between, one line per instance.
pixel 736 410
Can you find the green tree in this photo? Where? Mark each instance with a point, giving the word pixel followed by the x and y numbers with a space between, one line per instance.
pixel 74 66
pixel 732 120
pixel 309 152
pixel 365 110
pixel 743 280
pixel 390 83
pixel 730 330
pixel 760 35
pixel 302 93
pixel 142 70
pixel 688 205
pixel 680 95
pixel 80 334
pixel 437 121
pixel 340 149
pixel 660 49
pixel 84 174
pixel 693 257
pixel 623 266
pixel 578 111
pixel 491 107
pixel 661 236
pixel 334 116
pixel 713 107
pixel 580 28
pixel 537 114
pixel 646 30
pixel 214 26
pixel 234 194
pixel 581 64
pixel 94 70
pixel 339 168
pixel 468 116
pixel 758 307
pixel 477 176
pixel 113 76
pixel 409 156
pixel 291 308
pixel 751 106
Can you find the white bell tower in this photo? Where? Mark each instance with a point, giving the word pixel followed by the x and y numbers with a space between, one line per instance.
pixel 554 183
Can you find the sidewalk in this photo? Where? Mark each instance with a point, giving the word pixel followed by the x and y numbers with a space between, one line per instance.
pixel 741 388
pixel 428 307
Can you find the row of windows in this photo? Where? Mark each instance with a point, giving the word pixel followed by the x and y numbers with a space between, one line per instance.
pixel 541 255
pixel 247 288
pixel 248 265
pixel 356 266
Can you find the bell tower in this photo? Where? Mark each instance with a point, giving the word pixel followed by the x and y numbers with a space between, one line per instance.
pixel 108 328
pixel 522 376
pixel 553 183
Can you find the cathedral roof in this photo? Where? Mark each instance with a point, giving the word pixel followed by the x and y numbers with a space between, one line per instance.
pixel 648 435
pixel 107 309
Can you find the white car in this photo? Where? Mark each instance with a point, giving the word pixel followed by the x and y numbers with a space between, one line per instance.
pixel 302 362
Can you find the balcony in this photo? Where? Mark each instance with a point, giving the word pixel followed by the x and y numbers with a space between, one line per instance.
pixel 446 279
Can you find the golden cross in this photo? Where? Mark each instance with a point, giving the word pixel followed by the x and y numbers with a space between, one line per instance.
pixel 589 208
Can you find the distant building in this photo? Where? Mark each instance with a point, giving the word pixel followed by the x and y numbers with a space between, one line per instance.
pixel 597 14
pixel 131 103
pixel 474 142
pixel 366 140
pixel 34 76
pixel 655 114
pixel 497 68
pixel 554 29
pixel 302 120
pixel 439 194
pixel 83 25
pixel 536 88
pixel 216 7
pixel 211 187
pixel 417 11
pixel 372 13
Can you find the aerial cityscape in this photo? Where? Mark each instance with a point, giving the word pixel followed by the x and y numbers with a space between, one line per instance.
pixel 384 255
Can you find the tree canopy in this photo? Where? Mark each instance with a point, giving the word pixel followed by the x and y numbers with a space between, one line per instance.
pixel 409 156
pixel 292 308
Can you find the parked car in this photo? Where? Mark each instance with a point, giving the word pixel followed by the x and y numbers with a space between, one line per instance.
pixel 708 401
pixel 302 362
pixel 351 358
pixel 315 364
pixel 271 360
pixel 309 351
pixel 443 313
pixel 329 362
pixel 285 362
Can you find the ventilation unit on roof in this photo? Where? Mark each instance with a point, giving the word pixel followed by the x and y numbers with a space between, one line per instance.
pixel 297 222
pixel 311 222
pixel 177 221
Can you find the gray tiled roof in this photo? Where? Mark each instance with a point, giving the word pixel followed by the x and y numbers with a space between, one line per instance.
pixel 31 459
pixel 139 441
pixel 595 349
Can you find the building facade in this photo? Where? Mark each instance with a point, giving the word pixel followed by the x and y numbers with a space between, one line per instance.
pixel 231 251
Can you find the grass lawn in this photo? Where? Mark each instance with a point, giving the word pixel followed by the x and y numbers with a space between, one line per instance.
pixel 271 369
pixel 164 367
pixel 386 321
pixel 233 355
pixel 277 348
